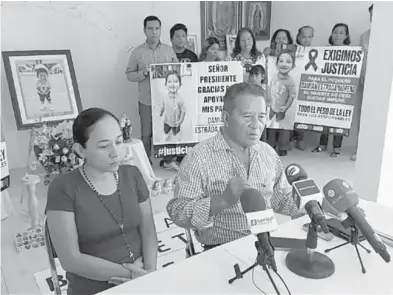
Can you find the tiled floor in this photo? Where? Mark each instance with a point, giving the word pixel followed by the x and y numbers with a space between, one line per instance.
pixel 18 270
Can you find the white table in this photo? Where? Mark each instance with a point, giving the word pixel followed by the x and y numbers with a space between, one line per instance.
pixel 136 155
pixel 209 272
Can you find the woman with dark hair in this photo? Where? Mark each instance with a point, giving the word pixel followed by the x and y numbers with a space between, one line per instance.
pixel 210 49
pixel 246 51
pixel 99 215
pixel 280 37
pixel 339 37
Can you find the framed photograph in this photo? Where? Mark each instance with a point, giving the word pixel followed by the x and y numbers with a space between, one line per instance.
pixel 231 39
pixel 42 85
pixel 192 44
pixel 220 18
pixel 257 16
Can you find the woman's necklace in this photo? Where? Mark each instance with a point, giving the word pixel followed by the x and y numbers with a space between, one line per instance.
pixel 119 224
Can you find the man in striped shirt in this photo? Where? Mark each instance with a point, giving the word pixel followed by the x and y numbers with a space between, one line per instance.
pixel 216 171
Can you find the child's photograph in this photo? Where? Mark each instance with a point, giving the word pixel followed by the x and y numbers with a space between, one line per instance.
pixel 44 88
pixel 173 103
pixel 282 89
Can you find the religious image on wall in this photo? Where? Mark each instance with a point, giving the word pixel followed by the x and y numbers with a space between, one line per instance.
pixel 187 100
pixel 256 15
pixel 314 88
pixel 220 18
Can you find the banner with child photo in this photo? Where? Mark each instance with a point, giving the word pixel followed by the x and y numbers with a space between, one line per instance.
pixel 313 88
pixel 187 100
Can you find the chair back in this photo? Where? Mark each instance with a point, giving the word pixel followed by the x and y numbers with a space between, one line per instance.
pixel 51 256
pixel 190 248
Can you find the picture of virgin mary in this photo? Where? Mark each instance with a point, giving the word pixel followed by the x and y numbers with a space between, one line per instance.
pixel 220 18
pixel 256 16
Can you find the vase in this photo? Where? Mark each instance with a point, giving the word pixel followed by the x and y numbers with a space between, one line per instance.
pixel 127 133
pixel 30 181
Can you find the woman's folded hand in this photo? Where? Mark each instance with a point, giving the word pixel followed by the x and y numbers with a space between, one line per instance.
pixel 136 271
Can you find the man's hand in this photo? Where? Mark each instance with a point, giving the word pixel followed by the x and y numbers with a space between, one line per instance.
pixel 146 71
pixel 136 270
pixel 234 189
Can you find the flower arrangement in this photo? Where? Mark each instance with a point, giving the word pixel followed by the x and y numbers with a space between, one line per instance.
pixel 52 147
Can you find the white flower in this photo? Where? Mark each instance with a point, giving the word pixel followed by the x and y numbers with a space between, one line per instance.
pixel 64 159
pixel 65 150
pixel 57 160
pixel 42 157
pixel 56 147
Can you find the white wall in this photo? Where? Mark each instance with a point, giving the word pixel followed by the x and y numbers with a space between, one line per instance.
pixel 374 166
pixel 99 33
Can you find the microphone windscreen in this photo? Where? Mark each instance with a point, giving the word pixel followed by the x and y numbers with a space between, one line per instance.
pixel 252 201
pixel 295 172
pixel 340 195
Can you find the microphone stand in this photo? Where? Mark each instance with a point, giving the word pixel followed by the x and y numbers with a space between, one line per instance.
pixel 262 260
pixel 306 262
pixel 354 240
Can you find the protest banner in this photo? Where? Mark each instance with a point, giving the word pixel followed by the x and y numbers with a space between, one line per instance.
pixel 187 100
pixel 5 174
pixel 326 82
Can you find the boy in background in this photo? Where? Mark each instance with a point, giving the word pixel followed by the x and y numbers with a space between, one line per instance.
pixel 178 34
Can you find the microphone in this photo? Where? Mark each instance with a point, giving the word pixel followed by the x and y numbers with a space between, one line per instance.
pixel 343 198
pixel 306 194
pixel 305 262
pixel 261 222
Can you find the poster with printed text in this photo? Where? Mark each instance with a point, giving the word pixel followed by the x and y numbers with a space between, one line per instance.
pixel 315 89
pixel 187 101
pixel 4 166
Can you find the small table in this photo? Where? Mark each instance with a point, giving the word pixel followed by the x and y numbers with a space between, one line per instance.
pixel 136 156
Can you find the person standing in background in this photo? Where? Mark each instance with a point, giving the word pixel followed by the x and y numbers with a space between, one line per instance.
pixel 210 49
pixel 364 41
pixel 339 37
pixel 178 34
pixel 281 137
pixel 246 51
pixel 150 52
pixel 304 38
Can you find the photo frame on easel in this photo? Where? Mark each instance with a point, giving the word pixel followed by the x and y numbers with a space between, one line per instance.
pixel 42 85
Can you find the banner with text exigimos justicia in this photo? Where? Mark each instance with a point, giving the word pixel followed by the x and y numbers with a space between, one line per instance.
pixel 187 101
pixel 317 90
pixel 328 89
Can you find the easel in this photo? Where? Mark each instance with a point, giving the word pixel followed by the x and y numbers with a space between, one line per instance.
pixel 30 181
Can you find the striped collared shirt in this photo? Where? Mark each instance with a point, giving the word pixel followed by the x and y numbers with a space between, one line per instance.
pixel 205 172
pixel 142 56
